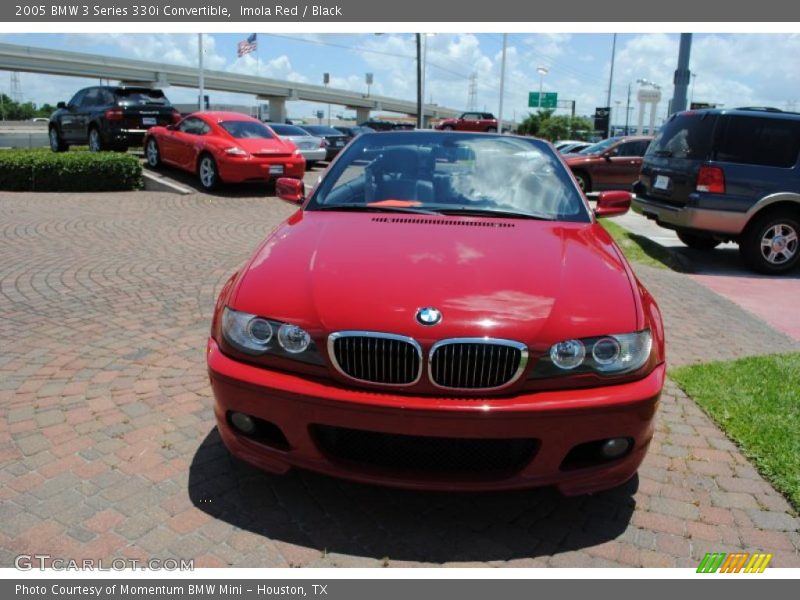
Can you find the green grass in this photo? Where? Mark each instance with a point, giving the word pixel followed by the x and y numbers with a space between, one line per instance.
pixel 640 249
pixel 756 401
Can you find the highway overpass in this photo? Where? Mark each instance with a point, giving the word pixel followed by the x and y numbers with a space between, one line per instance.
pixel 29 59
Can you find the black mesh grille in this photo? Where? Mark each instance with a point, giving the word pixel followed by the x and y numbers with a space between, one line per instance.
pixel 474 365
pixel 452 223
pixel 377 359
pixel 423 453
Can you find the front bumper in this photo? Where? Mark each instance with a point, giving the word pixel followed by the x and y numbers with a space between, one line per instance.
pixel 237 170
pixel 690 217
pixel 557 420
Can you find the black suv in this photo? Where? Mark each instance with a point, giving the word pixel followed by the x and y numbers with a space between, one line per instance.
pixel 109 117
pixel 721 175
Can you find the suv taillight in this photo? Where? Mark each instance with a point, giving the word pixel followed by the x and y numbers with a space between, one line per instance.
pixel 711 179
pixel 114 114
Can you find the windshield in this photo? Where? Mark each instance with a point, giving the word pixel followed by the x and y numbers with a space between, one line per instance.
pixel 451 173
pixel 129 97
pixel 599 146
pixel 292 130
pixel 243 130
pixel 321 130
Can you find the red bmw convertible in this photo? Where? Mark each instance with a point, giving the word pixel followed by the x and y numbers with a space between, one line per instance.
pixel 443 311
pixel 224 147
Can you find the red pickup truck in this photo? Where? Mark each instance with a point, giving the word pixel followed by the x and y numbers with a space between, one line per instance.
pixel 470 121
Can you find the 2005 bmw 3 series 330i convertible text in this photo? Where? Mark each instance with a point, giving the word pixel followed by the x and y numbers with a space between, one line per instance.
pixel 442 312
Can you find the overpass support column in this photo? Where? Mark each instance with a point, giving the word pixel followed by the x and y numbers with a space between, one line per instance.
pixel 277 108
pixel 362 114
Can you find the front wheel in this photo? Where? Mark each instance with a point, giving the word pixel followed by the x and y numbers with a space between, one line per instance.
pixel 698 242
pixel 491 130
pixel 770 243
pixel 207 173
pixel 152 153
pixel 447 128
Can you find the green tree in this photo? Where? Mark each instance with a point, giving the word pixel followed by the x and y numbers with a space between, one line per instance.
pixel 532 124
pixel 563 127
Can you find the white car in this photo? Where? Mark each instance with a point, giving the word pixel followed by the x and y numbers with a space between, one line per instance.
pixel 312 148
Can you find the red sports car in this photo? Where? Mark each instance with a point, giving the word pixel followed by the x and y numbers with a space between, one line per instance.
pixel 443 311
pixel 224 147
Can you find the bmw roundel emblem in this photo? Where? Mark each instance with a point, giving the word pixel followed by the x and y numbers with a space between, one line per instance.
pixel 428 316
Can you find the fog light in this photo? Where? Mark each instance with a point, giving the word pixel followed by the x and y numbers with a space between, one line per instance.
pixel 243 423
pixel 615 447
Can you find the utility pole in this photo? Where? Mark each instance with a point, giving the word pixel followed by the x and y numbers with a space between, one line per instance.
pixel 472 97
pixel 611 73
pixel 502 85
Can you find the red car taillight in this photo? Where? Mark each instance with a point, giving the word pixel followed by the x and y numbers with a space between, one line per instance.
pixel 114 114
pixel 711 179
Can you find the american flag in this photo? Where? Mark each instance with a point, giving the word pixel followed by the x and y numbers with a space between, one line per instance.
pixel 247 46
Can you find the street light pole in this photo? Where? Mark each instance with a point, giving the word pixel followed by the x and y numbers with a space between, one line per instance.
pixel 502 86
pixel 201 83
pixel 611 74
pixel 542 72
pixel 419 80
pixel 628 109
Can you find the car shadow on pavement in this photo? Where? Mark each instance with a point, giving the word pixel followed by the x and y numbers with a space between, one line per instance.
pixel 224 190
pixel 328 515
pixel 723 261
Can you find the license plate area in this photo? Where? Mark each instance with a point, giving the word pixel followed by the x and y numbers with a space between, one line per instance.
pixel 661 183
pixel 276 169
pixel 148 121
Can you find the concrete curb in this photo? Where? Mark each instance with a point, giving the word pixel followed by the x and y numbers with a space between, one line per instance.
pixel 153 182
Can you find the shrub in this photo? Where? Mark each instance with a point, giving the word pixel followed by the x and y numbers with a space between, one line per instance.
pixel 32 170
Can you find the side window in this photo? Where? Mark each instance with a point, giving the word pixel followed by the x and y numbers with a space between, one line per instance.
pixel 77 99
pixel 107 98
pixel 632 148
pixel 91 98
pixel 470 117
pixel 758 141
pixel 194 126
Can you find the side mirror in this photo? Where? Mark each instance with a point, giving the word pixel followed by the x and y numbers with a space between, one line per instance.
pixel 291 190
pixel 609 154
pixel 612 204
pixel 61 105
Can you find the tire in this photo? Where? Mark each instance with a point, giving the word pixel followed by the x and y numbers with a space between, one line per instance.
pixel 771 242
pixel 96 143
pixel 584 182
pixel 207 172
pixel 491 130
pixel 311 164
pixel 447 128
pixel 56 143
pixel 152 153
pixel 697 241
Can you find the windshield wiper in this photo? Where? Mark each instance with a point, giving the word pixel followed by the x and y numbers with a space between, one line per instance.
pixel 496 213
pixel 365 208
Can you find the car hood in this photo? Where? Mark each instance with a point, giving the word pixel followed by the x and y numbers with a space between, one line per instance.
pixel 533 281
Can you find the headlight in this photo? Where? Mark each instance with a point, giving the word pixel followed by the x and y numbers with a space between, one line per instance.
pixel 607 355
pixel 256 336
pixel 236 151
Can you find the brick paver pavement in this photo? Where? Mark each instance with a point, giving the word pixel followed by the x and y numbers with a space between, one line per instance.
pixel 108 447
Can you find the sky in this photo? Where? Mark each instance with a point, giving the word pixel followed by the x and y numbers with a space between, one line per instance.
pixel 730 69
